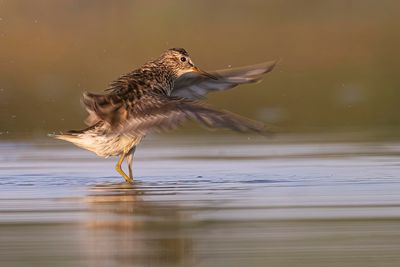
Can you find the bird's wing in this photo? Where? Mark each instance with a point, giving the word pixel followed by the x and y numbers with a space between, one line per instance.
pixel 122 92
pixel 195 86
pixel 157 113
pixel 104 107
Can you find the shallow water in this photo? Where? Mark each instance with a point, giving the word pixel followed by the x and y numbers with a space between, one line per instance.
pixel 225 203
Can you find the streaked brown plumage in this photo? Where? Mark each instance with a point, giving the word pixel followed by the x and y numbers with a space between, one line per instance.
pixel 160 95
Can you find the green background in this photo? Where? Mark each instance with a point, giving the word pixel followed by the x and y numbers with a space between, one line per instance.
pixel 338 70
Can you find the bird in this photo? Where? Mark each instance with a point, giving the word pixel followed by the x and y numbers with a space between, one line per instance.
pixel 160 95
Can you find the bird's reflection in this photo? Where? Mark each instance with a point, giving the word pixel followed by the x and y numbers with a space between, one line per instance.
pixel 127 226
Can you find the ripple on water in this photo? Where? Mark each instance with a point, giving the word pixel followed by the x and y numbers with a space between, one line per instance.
pixel 288 204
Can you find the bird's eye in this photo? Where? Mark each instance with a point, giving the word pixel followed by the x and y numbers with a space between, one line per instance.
pixel 183 59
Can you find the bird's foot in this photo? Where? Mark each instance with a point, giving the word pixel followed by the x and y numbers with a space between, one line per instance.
pixel 121 172
pixel 128 179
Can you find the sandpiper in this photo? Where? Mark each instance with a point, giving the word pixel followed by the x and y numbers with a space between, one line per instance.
pixel 160 95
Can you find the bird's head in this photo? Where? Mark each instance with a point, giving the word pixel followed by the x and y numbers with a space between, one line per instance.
pixel 178 60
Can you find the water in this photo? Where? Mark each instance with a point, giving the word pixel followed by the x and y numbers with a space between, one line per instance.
pixel 226 203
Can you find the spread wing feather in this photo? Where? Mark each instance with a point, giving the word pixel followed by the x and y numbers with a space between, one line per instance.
pixel 103 107
pixel 195 86
pixel 164 113
pixel 157 113
pixel 129 110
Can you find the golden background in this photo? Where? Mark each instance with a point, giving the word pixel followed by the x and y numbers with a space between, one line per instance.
pixel 338 70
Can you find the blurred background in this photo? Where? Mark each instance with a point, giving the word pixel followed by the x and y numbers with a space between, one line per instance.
pixel 338 69
pixel 323 192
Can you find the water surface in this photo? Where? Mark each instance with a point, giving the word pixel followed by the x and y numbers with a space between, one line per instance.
pixel 225 203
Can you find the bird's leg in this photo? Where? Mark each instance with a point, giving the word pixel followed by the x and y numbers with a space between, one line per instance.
pixel 129 160
pixel 120 171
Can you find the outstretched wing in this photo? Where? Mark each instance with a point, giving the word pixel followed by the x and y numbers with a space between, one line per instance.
pixel 104 107
pixel 156 113
pixel 195 86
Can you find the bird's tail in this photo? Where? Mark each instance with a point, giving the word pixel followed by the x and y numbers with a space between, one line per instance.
pixel 73 138
pixel 82 138
pixel 76 139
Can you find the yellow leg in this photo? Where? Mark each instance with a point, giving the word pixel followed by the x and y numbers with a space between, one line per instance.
pixel 120 171
pixel 129 159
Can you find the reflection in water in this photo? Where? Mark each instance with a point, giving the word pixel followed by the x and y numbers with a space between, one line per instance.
pixel 134 231
pixel 144 224
pixel 244 205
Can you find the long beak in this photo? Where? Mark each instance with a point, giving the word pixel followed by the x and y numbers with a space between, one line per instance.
pixel 202 72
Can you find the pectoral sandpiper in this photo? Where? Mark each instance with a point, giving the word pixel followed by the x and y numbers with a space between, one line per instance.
pixel 160 95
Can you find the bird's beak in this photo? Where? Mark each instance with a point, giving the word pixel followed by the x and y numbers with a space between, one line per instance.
pixel 202 72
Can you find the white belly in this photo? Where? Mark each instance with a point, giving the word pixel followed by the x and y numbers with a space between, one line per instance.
pixel 112 146
pixel 103 145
